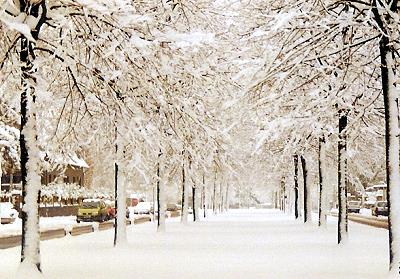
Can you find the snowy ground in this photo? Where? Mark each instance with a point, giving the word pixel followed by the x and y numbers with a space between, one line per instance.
pixel 239 244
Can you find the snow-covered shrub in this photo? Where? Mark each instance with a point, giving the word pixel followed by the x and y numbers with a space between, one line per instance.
pixel 63 192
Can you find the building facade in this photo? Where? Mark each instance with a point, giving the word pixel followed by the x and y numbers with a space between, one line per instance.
pixel 72 171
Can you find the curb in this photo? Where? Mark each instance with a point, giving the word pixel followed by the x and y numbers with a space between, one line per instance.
pixel 367 220
pixel 15 240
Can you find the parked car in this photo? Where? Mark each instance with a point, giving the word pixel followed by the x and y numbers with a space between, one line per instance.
pixel 92 210
pixel 154 211
pixel 111 212
pixel 8 213
pixel 143 208
pixel 353 207
pixel 173 207
pixel 173 210
pixel 369 204
pixel 380 208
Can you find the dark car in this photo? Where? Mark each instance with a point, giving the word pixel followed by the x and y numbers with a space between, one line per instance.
pixel 380 208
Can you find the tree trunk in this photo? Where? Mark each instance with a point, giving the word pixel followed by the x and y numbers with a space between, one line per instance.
pixel 296 186
pixel 185 194
pixel 283 195
pixel 276 199
pixel 194 203
pixel 322 188
pixel 214 205
pixel 342 178
pixel 116 201
pixel 392 157
pixel 204 197
pixel 306 192
pixel 11 179
pixel 120 196
pixel 1 163
pixel 160 198
pixel 227 197
pixel 154 199
pixel 240 196
pixel 390 99
pixel 116 191
pixel 121 237
pixel 158 195
pixel 221 197
pixel 30 240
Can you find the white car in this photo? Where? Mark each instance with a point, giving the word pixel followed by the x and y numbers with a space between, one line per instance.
pixel 143 208
pixel 7 212
pixel 353 206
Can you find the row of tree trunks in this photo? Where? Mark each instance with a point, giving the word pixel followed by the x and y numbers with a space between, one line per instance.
pixel 342 183
pixel 219 199
pixel 307 203
pixel 385 15
pixel 185 196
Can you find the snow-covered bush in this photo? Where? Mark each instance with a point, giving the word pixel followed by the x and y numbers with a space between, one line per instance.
pixel 71 191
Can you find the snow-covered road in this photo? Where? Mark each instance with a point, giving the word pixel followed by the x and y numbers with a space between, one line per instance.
pixel 238 244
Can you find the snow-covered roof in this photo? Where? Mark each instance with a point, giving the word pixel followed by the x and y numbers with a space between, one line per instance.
pixel 379 186
pixel 66 159
pixel 75 161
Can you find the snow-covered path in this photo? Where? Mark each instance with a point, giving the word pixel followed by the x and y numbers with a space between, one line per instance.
pixel 238 244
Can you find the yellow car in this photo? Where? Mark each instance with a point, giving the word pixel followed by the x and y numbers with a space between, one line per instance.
pixel 92 210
